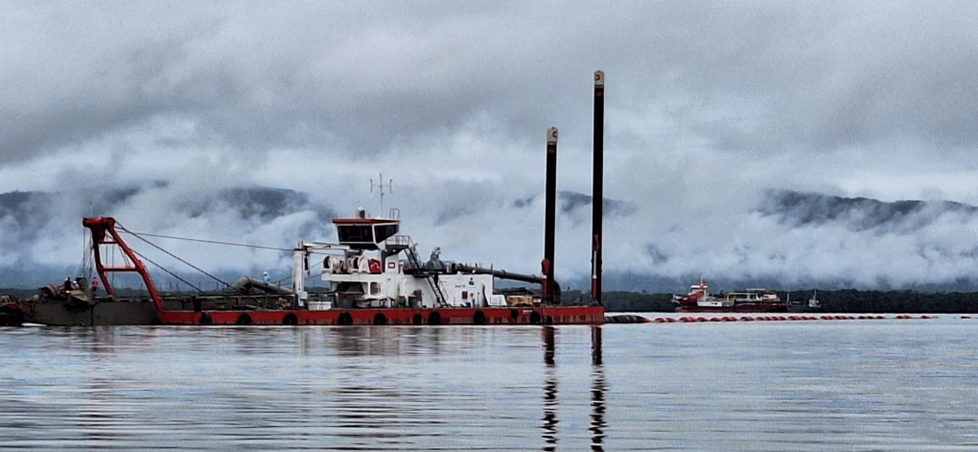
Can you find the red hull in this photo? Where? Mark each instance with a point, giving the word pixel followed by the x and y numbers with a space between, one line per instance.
pixel 741 308
pixel 550 315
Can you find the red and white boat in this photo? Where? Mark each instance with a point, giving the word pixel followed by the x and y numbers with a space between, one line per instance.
pixel 749 300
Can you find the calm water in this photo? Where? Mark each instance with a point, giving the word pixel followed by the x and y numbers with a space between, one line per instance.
pixel 872 385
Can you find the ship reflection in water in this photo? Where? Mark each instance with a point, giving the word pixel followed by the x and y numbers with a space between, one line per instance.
pixel 615 387
pixel 598 388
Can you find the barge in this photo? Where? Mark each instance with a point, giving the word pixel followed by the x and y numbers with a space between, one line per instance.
pixel 374 273
pixel 375 278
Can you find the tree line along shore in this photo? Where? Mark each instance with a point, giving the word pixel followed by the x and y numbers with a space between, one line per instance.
pixel 842 301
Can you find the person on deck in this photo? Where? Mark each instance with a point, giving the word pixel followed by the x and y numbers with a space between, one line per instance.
pixel 266 278
pixel 67 284
pixel 94 287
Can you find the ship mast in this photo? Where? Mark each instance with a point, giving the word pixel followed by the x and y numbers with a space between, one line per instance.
pixel 380 187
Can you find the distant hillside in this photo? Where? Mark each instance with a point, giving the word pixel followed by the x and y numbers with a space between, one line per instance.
pixel 804 209
pixel 31 221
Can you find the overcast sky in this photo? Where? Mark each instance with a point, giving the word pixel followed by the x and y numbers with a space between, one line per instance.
pixel 710 106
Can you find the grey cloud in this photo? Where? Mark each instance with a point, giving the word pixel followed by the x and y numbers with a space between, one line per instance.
pixel 708 105
pixel 369 77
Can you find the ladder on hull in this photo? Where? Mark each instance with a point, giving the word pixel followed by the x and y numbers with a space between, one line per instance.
pixel 429 276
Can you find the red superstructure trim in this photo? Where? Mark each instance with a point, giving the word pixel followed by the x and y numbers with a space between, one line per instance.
pixel 363 221
pixel 760 307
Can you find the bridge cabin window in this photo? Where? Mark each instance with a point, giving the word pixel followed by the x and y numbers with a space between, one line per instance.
pixel 384 231
pixel 364 234
pixel 355 233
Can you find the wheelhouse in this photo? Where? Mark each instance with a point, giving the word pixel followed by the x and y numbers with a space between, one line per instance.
pixel 365 233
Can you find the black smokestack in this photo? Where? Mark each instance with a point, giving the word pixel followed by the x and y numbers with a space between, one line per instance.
pixel 597 197
pixel 551 213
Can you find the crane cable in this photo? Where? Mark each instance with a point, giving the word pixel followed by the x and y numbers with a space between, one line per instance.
pixel 289 278
pixel 215 242
pixel 122 228
pixel 168 271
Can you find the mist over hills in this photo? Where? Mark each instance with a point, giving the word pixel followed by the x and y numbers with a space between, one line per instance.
pixel 813 240
pixel 859 214
pixel 43 237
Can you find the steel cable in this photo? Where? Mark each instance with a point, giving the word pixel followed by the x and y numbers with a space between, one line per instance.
pixel 173 256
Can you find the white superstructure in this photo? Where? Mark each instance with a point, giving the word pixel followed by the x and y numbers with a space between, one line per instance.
pixel 372 273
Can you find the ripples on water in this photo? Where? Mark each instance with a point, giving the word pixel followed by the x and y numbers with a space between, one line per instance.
pixel 718 386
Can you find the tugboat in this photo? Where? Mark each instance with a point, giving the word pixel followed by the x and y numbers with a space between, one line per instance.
pixel 810 305
pixel 750 300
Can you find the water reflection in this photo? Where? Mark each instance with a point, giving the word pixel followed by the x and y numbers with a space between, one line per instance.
pixel 448 388
pixel 550 420
pixel 598 388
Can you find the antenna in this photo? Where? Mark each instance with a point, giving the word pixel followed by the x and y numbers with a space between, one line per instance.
pixel 380 186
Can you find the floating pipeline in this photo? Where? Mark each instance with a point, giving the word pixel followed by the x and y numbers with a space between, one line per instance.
pixel 626 318
pixel 791 318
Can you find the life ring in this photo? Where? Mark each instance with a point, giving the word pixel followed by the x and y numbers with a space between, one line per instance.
pixel 479 318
